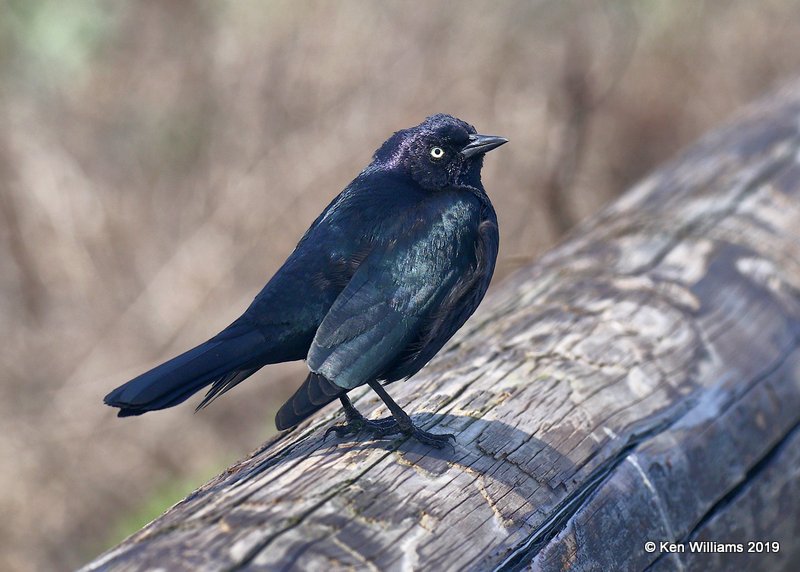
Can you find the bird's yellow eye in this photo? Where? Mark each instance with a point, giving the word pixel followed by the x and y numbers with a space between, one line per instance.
pixel 437 153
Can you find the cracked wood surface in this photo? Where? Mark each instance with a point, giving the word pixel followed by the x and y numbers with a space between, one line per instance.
pixel 640 382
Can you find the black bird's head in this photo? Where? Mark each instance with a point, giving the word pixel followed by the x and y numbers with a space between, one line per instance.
pixel 440 152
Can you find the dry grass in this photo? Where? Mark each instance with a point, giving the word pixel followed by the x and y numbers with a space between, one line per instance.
pixel 158 161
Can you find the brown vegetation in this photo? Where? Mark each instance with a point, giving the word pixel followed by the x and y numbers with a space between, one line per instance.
pixel 158 161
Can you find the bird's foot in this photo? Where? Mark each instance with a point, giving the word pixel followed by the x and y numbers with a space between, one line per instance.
pixel 378 427
pixel 432 439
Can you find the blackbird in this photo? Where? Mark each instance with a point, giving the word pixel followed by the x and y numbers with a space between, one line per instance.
pixel 389 271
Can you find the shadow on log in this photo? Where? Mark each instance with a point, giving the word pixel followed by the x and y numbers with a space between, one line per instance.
pixel 641 382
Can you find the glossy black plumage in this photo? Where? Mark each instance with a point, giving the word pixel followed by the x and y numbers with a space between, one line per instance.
pixel 380 281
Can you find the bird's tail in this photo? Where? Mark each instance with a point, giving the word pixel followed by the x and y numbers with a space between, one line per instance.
pixel 315 393
pixel 224 360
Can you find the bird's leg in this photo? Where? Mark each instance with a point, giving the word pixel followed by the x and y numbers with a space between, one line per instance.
pixel 354 414
pixel 357 422
pixel 404 423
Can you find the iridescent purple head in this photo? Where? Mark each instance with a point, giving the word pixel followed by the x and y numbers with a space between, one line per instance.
pixel 441 151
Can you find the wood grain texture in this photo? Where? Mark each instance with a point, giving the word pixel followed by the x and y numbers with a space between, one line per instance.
pixel 639 382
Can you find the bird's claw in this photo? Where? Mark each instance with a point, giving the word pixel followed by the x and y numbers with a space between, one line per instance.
pixel 340 430
pixel 432 439
pixel 378 427
pixel 383 424
pixel 388 426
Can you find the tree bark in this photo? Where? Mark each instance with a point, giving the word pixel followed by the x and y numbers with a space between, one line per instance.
pixel 640 382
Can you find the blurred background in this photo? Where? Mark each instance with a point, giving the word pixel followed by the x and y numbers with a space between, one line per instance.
pixel 159 160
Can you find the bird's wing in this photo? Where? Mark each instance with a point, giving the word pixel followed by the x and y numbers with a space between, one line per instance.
pixel 456 306
pixel 394 293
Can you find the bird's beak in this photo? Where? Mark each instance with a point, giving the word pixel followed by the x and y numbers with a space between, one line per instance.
pixel 479 144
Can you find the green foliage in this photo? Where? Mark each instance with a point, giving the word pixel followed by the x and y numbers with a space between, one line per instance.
pixel 54 40
pixel 163 497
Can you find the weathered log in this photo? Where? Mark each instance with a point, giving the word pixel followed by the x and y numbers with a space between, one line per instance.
pixel 641 382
